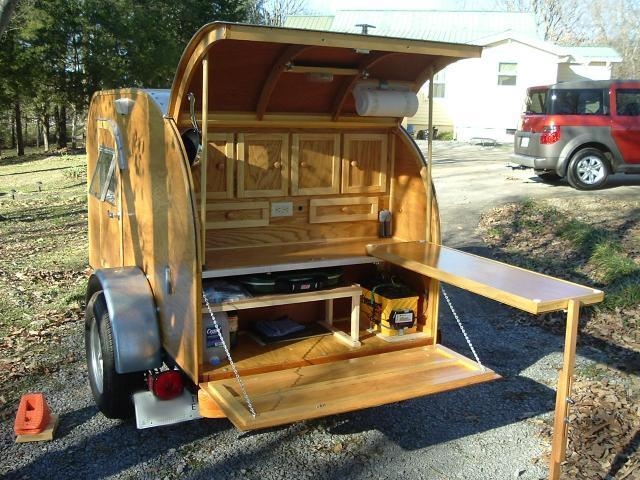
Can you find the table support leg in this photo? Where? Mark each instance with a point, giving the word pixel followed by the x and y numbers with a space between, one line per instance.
pixel 560 424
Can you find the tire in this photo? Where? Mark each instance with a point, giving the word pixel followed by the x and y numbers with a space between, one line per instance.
pixel 111 390
pixel 547 176
pixel 588 169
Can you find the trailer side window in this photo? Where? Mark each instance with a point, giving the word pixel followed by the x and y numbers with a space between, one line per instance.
pixel 103 184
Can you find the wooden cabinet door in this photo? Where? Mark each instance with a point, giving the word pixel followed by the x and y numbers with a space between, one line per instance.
pixel 315 164
pixel 218 182
pixel 364 163
pixel 263 165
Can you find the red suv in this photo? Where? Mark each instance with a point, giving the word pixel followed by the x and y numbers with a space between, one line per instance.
pixel 582 130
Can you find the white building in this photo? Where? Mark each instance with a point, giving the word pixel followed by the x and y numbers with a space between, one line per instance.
pixel 481 97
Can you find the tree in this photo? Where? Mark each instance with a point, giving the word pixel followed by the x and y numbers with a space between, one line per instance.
pixel 56 53
pixel 17 68
pixel 7 7
pixel 617 26
pixel 275 12
pixel 559 21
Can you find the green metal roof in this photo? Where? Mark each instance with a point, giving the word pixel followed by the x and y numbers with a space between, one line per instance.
pixel 471 27
pixel 594 54
pixel 441 26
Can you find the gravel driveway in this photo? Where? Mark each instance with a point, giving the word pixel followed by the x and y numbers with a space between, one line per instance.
pixel 483 432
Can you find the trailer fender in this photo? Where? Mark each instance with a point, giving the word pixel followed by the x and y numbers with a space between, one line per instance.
pixel 132 313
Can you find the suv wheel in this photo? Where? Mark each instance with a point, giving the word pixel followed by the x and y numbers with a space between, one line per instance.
pixel 588 169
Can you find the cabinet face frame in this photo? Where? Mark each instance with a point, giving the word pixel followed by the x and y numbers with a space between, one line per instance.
pixel 275 167
pixel 377 160
pixel 302 163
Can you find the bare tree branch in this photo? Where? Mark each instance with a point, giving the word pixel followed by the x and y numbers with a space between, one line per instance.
pixel 274 12
pixel 617 26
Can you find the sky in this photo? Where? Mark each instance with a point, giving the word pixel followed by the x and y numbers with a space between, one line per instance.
pixel 330 6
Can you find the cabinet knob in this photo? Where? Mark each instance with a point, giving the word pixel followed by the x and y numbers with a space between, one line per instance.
pixel 230 215
pixel 220 166
pixel 344 209
pixel 304 164
pixel 354 163
pixel 277 164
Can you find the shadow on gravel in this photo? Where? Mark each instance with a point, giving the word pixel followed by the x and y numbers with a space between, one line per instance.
pixel 614 181
pixel 109 452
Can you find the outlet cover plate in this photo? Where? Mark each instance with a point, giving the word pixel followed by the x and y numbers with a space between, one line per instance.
pixel 281 209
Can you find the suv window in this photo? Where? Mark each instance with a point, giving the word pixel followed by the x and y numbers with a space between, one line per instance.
pixel 576 102
pixel 628 102
pixel 536 101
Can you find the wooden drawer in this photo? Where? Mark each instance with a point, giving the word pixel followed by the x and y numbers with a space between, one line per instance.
pixel 323 210
pixel 237 214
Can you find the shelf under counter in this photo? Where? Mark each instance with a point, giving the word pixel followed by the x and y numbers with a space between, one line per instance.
pixel 281 257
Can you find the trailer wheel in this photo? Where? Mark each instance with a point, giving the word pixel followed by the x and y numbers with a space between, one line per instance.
pixel 111 390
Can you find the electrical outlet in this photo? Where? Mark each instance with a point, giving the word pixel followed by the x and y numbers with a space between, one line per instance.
pixel 281 209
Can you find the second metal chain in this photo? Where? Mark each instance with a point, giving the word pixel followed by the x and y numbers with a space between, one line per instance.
pixel 462 329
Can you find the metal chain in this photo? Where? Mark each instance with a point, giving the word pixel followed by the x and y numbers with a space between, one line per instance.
pixel 245 395
pixel 464 332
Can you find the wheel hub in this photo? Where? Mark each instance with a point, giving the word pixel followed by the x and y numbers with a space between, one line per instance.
pixel 95 360
pixel 590 170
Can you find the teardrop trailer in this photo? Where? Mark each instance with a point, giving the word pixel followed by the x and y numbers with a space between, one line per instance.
pixel 266 235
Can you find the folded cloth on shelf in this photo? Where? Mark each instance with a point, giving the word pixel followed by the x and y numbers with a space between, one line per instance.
pixel 278 328
pixel 219 291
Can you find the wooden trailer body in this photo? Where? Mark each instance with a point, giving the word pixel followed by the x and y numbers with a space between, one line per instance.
pixel 302 149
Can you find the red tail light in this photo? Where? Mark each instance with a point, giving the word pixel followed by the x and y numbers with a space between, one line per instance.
pixel 165 385
pixel 550 134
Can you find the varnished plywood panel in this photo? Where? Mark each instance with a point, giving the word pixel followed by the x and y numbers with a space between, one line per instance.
pixel 523 289
pixel 263 165
pixel 314 391
pixel 364 163
pixel 220 168
pixel 237 214
pixel 315 164
pixel 344 209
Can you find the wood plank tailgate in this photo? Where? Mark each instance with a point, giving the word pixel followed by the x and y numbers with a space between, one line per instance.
pixel 313 391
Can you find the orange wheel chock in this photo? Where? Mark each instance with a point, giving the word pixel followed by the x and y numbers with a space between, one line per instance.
pixel 33 414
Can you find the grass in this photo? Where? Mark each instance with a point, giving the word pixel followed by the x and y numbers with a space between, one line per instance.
pixel 541 237
pixel 43 246
pixel 590 242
